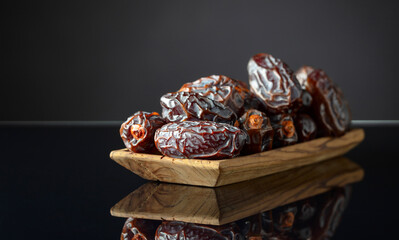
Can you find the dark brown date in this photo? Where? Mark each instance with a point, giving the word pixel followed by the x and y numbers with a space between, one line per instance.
pixel 329 108
pixel 189 231
pixel 259 130
pixel 302 75
pixel 139 229
pixel 138 131
pixel 191 106
pixel 273 82
pixel 229 92
pixel 305 127
pixel 284 130
pixel 200 139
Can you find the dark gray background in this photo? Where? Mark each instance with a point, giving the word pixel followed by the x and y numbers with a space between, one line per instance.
pixel 99 60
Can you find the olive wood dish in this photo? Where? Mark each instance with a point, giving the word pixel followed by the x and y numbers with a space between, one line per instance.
pixel 213 173
pixel 220 205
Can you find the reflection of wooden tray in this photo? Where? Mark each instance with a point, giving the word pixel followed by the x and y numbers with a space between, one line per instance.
pixel 217 206
pixel 221 172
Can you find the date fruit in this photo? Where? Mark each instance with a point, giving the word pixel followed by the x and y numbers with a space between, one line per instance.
pixel 284 131
pixel 139 229
pixel 191 106
pixel 302 74
pixel 138 131
pixel 200 139
pixel 229 92
pixel 273 82
pixel 305 127
pixel 259 130
pixel 329 108
pixel 171 230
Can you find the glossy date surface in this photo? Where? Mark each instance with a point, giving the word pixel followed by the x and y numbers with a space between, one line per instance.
pixel 273 82
pixel 329 107
pixel 200 139
pixel 305 127
pixel 230 92
pixel 191 106
pixel 259 129
pixel 302 74
pixel 138 131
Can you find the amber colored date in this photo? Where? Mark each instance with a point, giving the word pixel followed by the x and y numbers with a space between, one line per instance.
pixel 191 106
pixel 139 229
pixel 186 231
pixel 284 130
pixel 138 131
pixel 305 127
pixel 200 139
pixel 259 129
pixel 273 82
pixel 329 108
pixel 229 92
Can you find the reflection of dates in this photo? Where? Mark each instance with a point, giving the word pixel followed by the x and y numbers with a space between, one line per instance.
pixel 274 82
pixel 305 127
pixel 139 229
pixel 284 130
pixel 230 92
pixel 187 231
pixel 138 131
pixel 259 129
pixel 330 109
pixel 200 139
pixel 191 106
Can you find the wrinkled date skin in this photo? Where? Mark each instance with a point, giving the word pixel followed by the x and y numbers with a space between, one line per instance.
pixel 138 131
pixel 259 130
pixel 191 106
pixel 284 130
pixel 200 139
pixel 189 231
pixel 329 108
pixel 139 229
pixel 273 82
pixel 305 127
pixel 229 92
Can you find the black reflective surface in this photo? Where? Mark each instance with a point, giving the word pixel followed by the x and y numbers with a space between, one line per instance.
pixel 59 183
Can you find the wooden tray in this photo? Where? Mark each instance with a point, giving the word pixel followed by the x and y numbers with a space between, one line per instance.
pixel 220 205
pixel 214 173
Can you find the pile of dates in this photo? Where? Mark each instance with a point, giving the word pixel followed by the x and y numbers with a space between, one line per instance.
pixel 218 117
pixel 312 218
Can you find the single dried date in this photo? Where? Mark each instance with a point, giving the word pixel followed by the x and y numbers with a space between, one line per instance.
pixel 284 130
pixel 191 106
pixel 139 229
pixel 172 230
pixel 305 127
pixel 138 131
pixel 230 92
pixel 273 82
pixel 200 139
pixel 259 130
pixel 329 107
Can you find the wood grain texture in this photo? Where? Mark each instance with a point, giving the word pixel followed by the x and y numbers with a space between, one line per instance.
pixel 214 173
pixel 217 206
